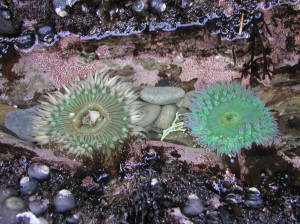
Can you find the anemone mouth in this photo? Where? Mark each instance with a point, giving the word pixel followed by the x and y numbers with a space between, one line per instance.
pixel 91 113
pixel 228 117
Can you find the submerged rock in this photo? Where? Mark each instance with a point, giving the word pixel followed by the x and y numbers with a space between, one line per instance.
pixel 166 116
pixel 150 113
pixel 18 122
pixel 162 95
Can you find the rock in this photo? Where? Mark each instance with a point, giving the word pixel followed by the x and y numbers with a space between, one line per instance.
pixel 18 122
pixel 38 207
pixel 7 192
pixel 150 113
pixel 162 95
pixel 185 101
pixel 166 116
pixel 4 110
pixel 253 198
pixel 27 217
pixel 14 203
pixel 193 206
pixel 294 122
pixel 6 26
pixel 37 154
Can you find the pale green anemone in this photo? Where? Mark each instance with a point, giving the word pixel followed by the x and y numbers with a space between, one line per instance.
pixel 228 117
pixel 88 115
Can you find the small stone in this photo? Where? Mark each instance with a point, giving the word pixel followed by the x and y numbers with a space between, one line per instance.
pixel 162 95
pixel 193 206
pixel 42 220
pixel 38 207
pixel 166 116
pixel 253 198
pixel 150 113
pixel 18 122
pixel 14 203
pixel 185 101
pixel 27 217
pixel 7 192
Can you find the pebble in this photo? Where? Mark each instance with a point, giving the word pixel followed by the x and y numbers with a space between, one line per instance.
pixel 150 113
pixel 162 95
pixel 7 192
pixel 193 206
pixel 38 207
pixel 18 122
pixel 166 116
pixel 14 203
pixel 42 220
pixel 253 198
pixel 64 201
pixel 185 102
pixel 27 217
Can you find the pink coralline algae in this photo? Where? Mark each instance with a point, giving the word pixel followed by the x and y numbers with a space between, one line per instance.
pixel 89 183
pixel 53 66
pixel 207 70
pixel 103 51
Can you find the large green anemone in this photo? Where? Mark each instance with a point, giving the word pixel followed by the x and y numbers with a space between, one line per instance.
pixel 88 114
pixel 228 117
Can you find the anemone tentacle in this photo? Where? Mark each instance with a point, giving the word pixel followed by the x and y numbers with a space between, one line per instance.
pixel 228 117
pixel 90 113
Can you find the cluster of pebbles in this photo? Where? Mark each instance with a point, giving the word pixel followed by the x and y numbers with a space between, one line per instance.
pixel 26 205
pixel 161 106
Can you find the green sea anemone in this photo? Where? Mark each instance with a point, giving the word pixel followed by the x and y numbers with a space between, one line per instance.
pixel 88 114
pixel 228 117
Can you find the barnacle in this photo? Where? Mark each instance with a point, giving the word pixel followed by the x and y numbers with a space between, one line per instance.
pixel 228 117
pixel 88 115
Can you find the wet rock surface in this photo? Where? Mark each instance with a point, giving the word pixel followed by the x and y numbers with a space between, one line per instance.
pixel 150 113
pixel 162 95
pixel 19 123
pixel 160 187
pixel 130 16
pixel 166 116
pixel 150 182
